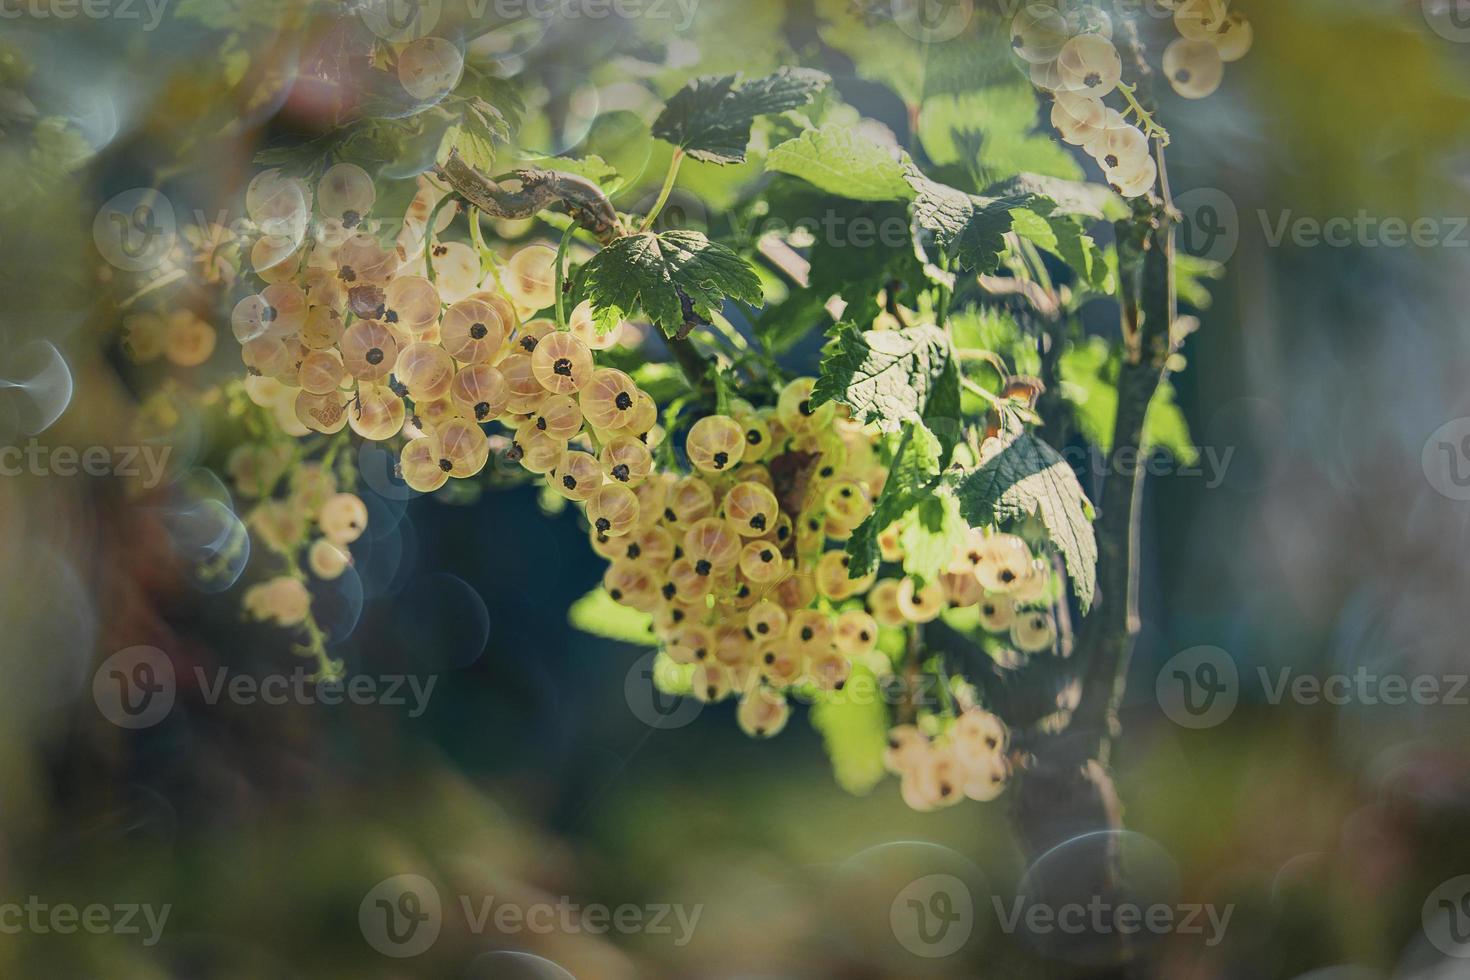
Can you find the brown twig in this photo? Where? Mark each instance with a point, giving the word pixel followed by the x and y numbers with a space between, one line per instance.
pixel 538 191
pixel 587 205
pixel 1108 632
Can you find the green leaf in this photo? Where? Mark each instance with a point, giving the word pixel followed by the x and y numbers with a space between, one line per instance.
pixel 932 534
pixel 475 145
pixel 481 126
pixel 592 167
pixel 969 227
pixel 1190 274
pixel 1062 236
pixel 886 377
pixel 598 614
pixel 1089 374
pixel 841 160
pixel 672 678
pixel 710 118
pixel 1165 427
pixel 911 478
pixel 1025 478
pixel 649 272
pixel 1065 196
pixel 996 329
pixel 992 135
pixel 782 325
pixel 853 723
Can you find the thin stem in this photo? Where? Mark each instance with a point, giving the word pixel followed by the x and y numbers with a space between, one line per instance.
pixel 1035 266
pixel 561 261
pixel 908 710
pixel 429 235
pixel 941 310
pixel 663 195
pixel 987 356
pixel 727 330
pixel 695 367
pixel 159 283
pixel 1151 129
pixel 974 389
pixel 487 255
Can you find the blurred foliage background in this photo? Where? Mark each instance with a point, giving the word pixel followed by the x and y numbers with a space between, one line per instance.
pixel 1322 370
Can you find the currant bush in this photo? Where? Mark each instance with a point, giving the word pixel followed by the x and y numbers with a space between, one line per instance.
pixel 784 539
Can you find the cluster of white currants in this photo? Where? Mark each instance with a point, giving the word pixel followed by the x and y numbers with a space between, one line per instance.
pixel 311 515
pixel 742 566
pixel 967 761
pixel 393 342
pixel 1211 35
pixel 1072 56
pixel 738 557
pixel 182 338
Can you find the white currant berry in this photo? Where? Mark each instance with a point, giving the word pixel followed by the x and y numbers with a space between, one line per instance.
pixel 1047 76
pixel 430 68
pixel 997 613
pixel 345 192
pixel 987 779
pixel 1123 148
pixel 1090 65
pixel 1078 118
pixel 456 270
pixel 377 413
pixel 1136 179
pixel 1004 558
pixel 343 518
pixel 1033 632
pixel 920 605
pixel 327 559
pixel 762 713
pixel 1199 20
pixel 321 413
pixel 855 633
pixel 1194 68
pixel 978 736
pixel 1038 33
pixel 419 465
pixel 1234 38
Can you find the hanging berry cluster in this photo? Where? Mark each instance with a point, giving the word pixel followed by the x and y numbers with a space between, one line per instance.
pixel 1072 56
